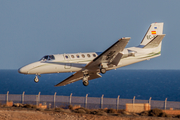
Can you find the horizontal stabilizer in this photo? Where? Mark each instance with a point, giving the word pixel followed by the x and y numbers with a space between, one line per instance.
pixel 155 42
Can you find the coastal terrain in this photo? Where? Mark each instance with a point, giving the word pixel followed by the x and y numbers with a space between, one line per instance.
pixel 30 112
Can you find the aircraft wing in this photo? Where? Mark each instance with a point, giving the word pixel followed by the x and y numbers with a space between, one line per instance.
pixel 78 76
pixel 109 56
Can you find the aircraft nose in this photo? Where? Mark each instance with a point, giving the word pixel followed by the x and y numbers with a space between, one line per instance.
pixel 28 69
pixel 23 70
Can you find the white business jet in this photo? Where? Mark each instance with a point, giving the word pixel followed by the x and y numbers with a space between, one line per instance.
pixel 88 66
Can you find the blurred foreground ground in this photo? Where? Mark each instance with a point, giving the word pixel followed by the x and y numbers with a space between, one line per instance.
pixel 34 114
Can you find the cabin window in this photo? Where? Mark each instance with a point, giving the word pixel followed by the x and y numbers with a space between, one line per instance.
pixel 66 57
pixel 88 55
pixel 83 55
pixel 72 56
pixel 77 56
pixel 94 55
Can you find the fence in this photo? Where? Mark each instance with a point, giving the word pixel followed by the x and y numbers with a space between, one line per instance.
pixel 87 102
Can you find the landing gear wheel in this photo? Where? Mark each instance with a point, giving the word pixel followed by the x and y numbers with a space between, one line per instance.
pixel 85 83
pixel 36 79
pixel 103 71
pixel 85 80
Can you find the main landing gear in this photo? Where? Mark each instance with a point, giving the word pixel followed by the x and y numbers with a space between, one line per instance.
pixel 86 83
pixel 36 79
pixel 85 80
pixel 86 76
pixel 102 68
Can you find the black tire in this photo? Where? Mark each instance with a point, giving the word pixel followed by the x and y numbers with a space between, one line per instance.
pixel 103 70
pixel 85 83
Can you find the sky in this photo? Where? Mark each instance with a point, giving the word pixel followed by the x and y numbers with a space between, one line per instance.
pixel 30 29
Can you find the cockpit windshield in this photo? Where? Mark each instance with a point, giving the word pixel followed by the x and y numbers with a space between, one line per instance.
pixel 47 57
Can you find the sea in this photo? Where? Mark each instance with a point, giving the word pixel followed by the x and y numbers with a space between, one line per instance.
pixel 143 84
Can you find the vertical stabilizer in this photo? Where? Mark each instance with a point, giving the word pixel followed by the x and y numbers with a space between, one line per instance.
pixel 154 30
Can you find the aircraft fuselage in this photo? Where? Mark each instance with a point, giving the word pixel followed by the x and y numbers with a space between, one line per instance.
pixel 74 62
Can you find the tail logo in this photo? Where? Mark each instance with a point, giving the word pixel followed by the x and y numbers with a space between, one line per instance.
pixel 153 32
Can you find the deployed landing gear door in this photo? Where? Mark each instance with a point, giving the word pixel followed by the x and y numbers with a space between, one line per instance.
pixel 67 65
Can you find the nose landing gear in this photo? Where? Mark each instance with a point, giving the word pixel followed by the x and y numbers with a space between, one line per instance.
pixel 36 79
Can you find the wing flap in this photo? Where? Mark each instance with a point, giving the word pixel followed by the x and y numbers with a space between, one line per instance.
pixel 117 59
pixel 94 76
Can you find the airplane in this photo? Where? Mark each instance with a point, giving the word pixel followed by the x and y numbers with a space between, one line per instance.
pixel 91 65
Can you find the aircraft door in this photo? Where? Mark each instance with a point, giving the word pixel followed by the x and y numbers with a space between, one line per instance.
pixel 67 65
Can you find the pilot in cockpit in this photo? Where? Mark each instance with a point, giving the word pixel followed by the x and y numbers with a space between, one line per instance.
pixel 47 57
